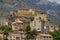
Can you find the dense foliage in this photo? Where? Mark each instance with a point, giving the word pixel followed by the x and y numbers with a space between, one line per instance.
pixel 56 34
pixel 5 28
pixel 30 34
pixel 32 18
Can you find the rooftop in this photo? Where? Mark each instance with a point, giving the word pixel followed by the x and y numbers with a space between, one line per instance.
pixel 45 35
pixel 17 32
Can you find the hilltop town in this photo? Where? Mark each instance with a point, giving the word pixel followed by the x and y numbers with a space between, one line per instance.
pixel 26 24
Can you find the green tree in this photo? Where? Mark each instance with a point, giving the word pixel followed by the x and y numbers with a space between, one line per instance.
pixel 28 28
pixel 32 18
pixel 55 34
pixel 34 33
pixel 42 12
pixel 30 34
pixel 5 28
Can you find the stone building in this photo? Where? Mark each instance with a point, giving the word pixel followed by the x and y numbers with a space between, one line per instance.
pixel 18 24
pixel 23 12
pixel 41 23
pixel 38 21
pixel 16 35
pixel 44 37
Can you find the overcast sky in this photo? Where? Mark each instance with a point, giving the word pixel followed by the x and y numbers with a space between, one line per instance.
pixel 58 1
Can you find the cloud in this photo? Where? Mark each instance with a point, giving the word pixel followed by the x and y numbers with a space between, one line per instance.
pixel 58 1
pixel 42 2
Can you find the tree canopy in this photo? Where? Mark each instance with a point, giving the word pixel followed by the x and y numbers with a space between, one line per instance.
pixel 56 34
pixel 32 18
pixel 28 28
pixel 30 34
pixel 5 28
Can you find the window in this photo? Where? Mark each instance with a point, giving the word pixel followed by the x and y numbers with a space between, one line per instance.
pixel 47 28
pixel 17 38
pixel 14 24
pixel 44 37
pixel 16 27
pixel 52 28
pixel 40 18
pixel 38 28
pixel 49 37
pixel 34 23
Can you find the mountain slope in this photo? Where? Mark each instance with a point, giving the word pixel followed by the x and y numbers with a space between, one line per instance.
pixel 11 5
